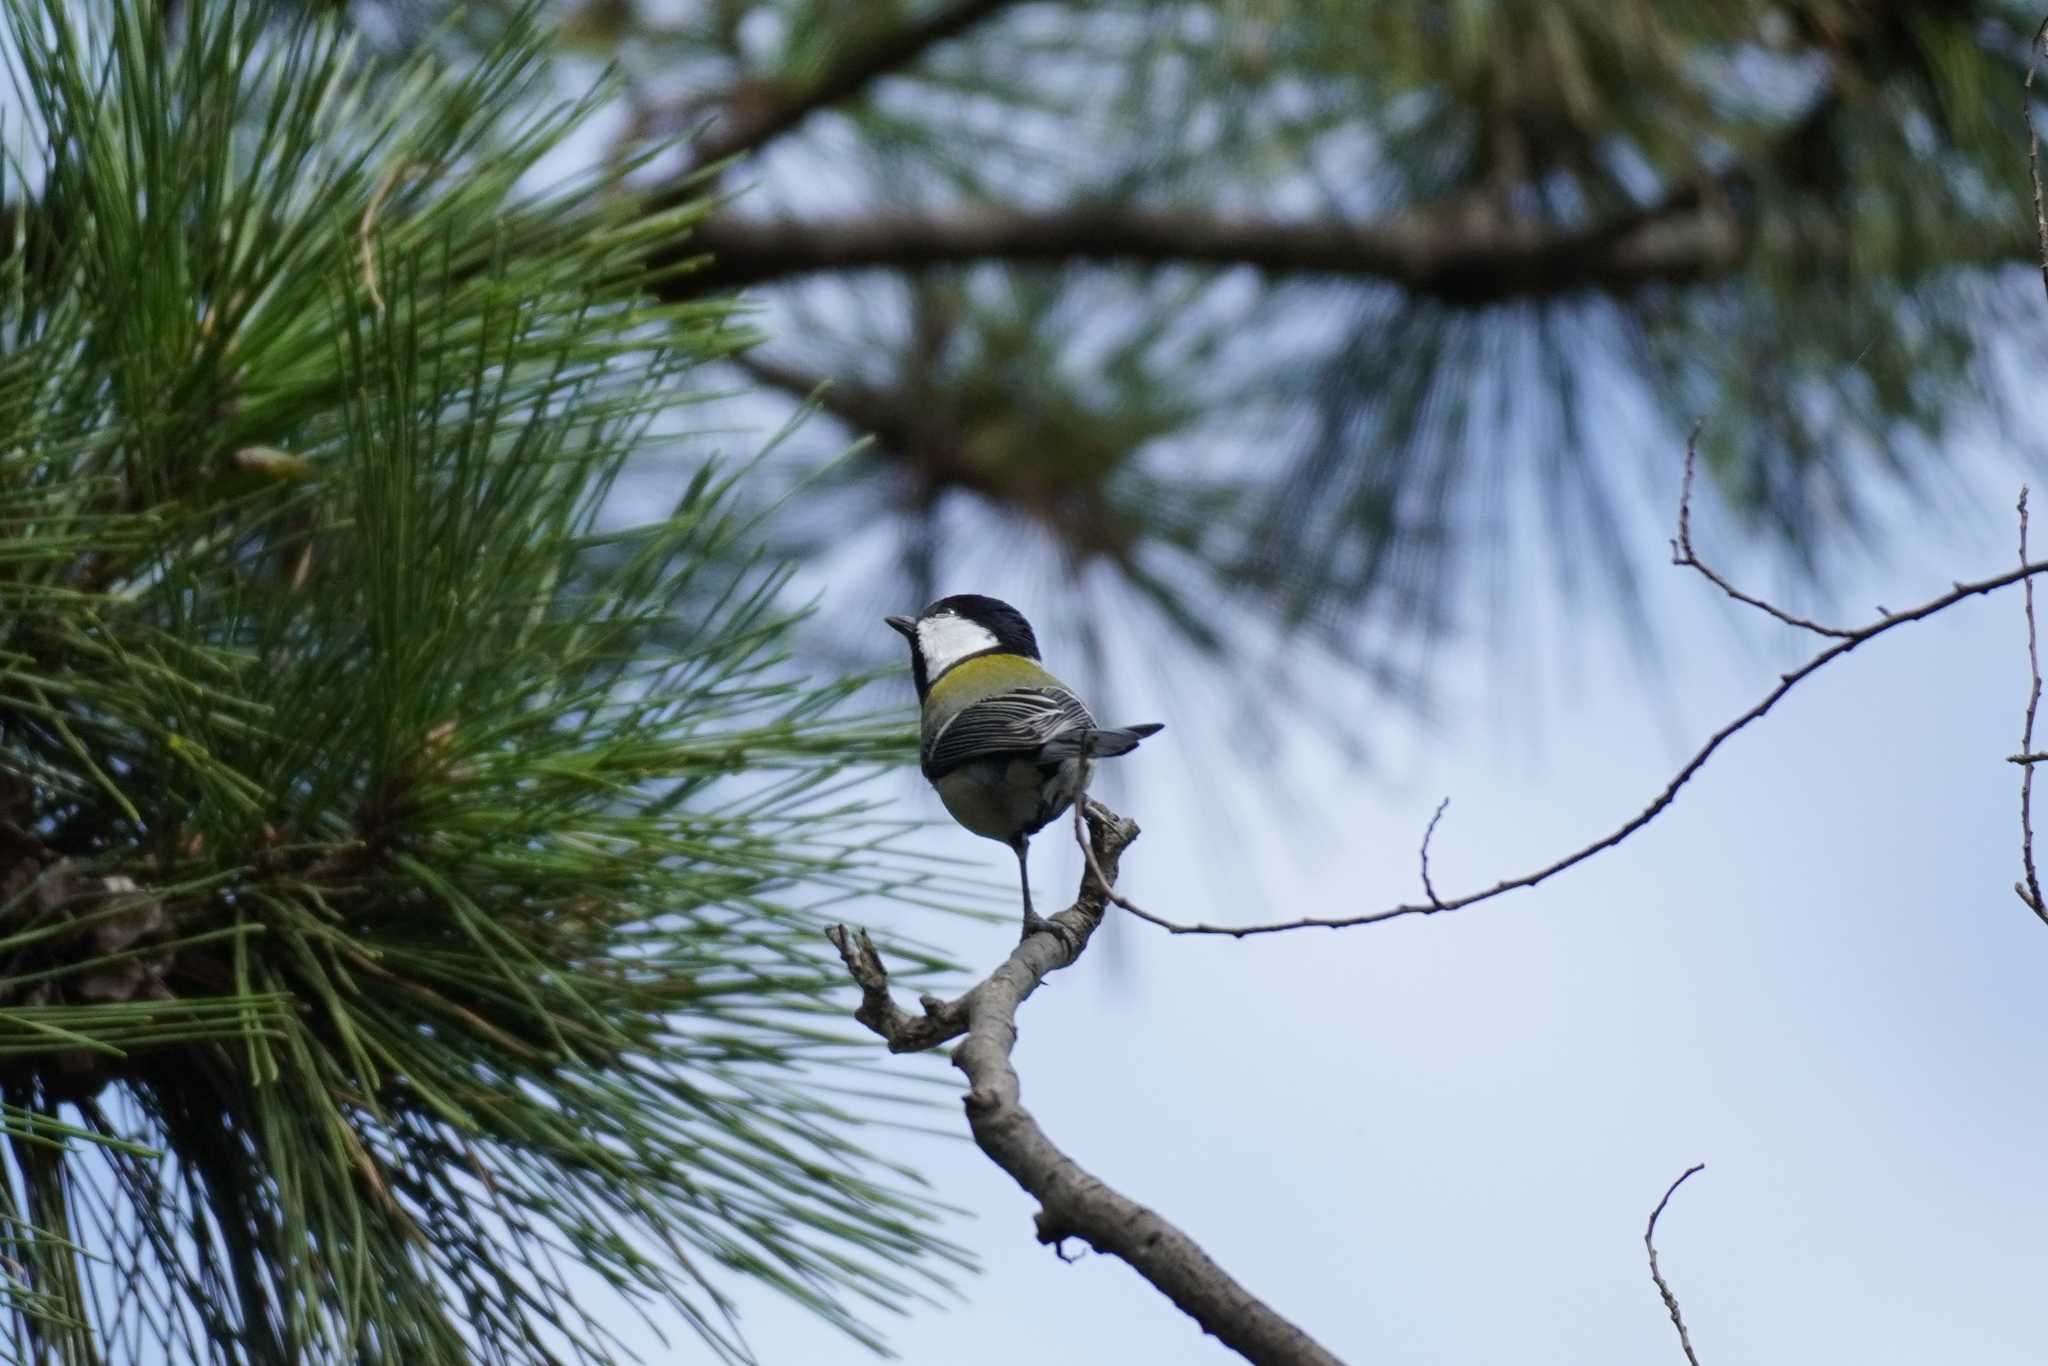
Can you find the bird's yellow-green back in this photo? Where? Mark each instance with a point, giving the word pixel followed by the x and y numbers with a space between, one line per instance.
pixel 983 676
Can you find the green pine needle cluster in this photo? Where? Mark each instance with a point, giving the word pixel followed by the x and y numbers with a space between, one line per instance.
pixel 410 874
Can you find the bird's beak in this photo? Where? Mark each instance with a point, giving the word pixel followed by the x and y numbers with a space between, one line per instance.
pixel 903 626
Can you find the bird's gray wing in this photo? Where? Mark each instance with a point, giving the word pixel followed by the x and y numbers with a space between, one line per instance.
pixel 1011 723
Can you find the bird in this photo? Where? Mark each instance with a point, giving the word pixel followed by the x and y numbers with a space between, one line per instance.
pixel 1007 745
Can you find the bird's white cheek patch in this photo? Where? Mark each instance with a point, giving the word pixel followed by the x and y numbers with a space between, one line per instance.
pixel 946 640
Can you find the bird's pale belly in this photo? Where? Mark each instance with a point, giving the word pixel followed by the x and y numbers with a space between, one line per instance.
pixel 999 797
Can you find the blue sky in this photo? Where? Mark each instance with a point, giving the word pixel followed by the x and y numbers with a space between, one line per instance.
pixel 1437 1140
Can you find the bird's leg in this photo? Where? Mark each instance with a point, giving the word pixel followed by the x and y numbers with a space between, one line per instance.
pixel 1033 923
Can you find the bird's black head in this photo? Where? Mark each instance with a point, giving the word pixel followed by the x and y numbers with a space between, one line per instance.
pixel 1013 634
pixel 960 627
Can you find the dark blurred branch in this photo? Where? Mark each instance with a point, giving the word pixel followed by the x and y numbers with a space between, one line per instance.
pixel 1650 1244
pixel 1421 253
pixel 866 411
pixel 1478 262
pixel 1072 1203
pixel 753 119
pixel 917 431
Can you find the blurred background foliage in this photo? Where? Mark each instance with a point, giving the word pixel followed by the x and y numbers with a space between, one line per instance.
pixel 1316 320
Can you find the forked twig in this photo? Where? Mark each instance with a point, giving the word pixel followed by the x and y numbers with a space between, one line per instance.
pixel 1683 554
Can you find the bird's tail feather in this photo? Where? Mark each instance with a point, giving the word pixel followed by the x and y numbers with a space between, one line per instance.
pixel 1098 744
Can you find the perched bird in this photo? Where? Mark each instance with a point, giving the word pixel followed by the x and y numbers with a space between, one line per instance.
pixel 1006 744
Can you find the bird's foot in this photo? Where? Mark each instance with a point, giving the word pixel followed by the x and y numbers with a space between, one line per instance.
pixel 1034 923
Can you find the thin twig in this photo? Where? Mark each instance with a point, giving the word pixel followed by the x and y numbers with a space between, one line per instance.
pixel 1683 554
pixel 2034 144
pixel 2030 890
pixel 1650 1243
pixel 1073 1203
pixel 1087 847
pixel 1786 682
pixel 1109 892
pixel 1102 880
pixel 1441 807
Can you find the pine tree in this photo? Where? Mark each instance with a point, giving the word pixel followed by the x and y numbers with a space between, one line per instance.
pixel 409 902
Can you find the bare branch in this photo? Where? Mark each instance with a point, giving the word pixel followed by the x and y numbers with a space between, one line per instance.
pixel 1683 554
pixel 2029 890
pixel 752 123
pixel 1072 1202
pixel 1650 1243
pixel 1786 682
